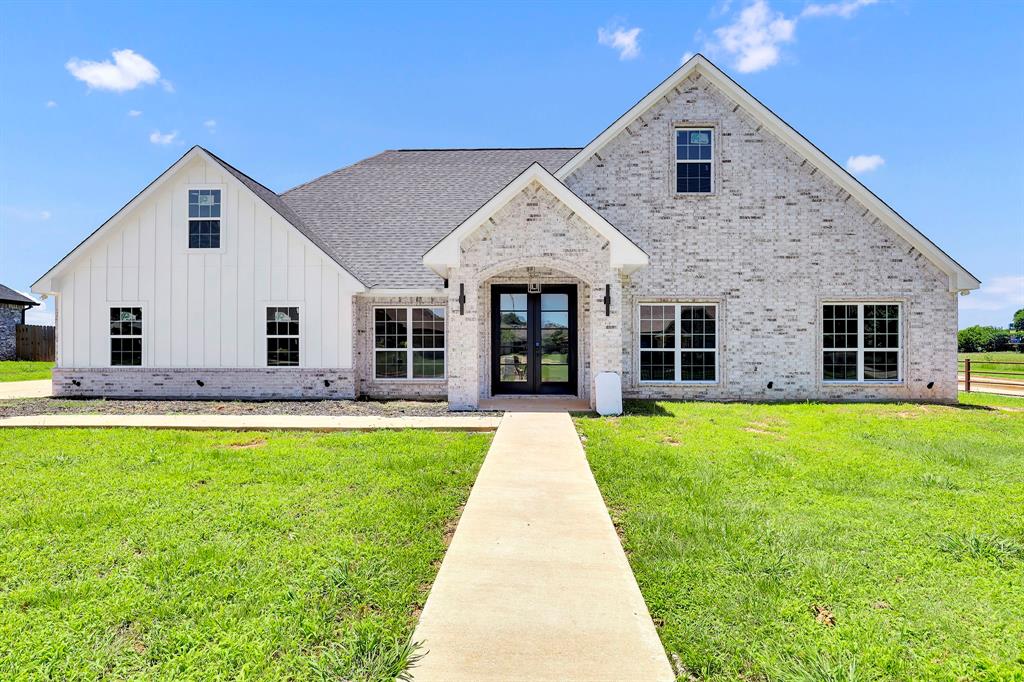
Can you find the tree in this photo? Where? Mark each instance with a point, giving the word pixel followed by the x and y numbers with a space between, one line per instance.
pixel 979 339
pixel 1018 320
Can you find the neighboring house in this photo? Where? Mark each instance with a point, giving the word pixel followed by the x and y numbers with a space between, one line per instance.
pixel 12 313
pixel 699 247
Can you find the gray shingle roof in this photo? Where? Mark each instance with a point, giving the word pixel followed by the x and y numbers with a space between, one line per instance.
pixel 9 295
pixel 379 216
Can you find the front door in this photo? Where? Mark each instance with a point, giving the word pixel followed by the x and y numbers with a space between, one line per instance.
pixel 533 342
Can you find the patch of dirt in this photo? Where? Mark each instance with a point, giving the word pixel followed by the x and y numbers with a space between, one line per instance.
pixel 766 427
pixel 670 441
pixel 823 615
pixel 28 407
pixel 248 445
pixel 129 635
pixel 882 604
pixel 452 525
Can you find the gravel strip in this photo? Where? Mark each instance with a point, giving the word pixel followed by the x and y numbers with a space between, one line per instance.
pixel 27 407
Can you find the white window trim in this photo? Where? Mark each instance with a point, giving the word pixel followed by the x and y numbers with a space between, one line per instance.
pixel 860 380
pixel 408 343
pixel 126 304
pixel 302 334
pixel 223 212
pixel 676 348
pixel 676 161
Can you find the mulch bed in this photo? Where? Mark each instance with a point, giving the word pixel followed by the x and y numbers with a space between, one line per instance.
pixel 392 408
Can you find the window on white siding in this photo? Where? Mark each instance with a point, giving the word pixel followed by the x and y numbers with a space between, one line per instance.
pixel 861 342
pixel 678 343
pixel 282 336
pixel 408 343
pixel 204 219
pixel 126 337
pixel 695 160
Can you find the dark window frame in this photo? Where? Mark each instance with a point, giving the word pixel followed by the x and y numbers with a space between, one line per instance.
pixel 283 337
pixel 694 166
pixel 676 349
pixel 126 336
pixel 409 342
pixel 867 350
pixel 205 232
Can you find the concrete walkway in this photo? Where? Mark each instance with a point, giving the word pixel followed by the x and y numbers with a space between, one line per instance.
pixel 535 585
pixel 10 390
pixel 251 422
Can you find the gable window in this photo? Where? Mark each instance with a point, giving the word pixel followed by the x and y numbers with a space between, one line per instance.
pixel 282 336
pixel 204 219
pixel 678 343
pixel 694 160
pixel 126 337
pixel 408 343
pixel 861 342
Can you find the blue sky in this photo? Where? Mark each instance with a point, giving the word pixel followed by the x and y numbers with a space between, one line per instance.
pixel 929 95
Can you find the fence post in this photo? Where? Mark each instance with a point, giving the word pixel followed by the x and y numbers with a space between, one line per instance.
pixel 967 375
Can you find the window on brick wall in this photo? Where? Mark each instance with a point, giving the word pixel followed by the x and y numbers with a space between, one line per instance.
pixel 282 336
pixel 126 337
pixel 695 160
pixel 678 343
pixel 409 343
pixel 861 342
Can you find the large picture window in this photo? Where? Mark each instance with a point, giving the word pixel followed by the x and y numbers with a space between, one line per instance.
pixel 204 219
pixel 678 343
pixel 860 342
pixel 126 337
pixel 282 336
pixel 695 160
pixel 409 343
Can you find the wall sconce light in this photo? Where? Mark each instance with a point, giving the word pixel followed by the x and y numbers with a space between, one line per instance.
pixel 607 300
pixel 462 298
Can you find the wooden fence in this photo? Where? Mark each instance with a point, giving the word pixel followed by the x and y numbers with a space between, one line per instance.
pixel 35 342
pixel 1012 381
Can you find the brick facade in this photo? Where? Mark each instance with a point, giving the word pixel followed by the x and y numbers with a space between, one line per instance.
pixel 774 240
pixel 269 383
pixel 10 318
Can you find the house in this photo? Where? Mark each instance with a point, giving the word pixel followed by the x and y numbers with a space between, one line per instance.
pixel 699 247
pixel 12 313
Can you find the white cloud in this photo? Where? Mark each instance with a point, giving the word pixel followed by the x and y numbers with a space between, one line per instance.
pixel 25 215
pixel 51 104
pixel 167 85
pixel 156 137
pixel 135 113
pixel 864 163
pixel 623 40
pixel 687 56
pixel 210 125
pixel 999 293
pixel 753 39
pixel 128 71
pixel 836 9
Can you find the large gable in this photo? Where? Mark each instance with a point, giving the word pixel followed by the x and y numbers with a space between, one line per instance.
pixel 699 67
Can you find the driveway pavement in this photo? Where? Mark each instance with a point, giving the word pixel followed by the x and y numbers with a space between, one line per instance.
pixel 535 585
pixel 25 389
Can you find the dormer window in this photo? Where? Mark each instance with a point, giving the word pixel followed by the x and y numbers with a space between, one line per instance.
pixel 694 160
pixel 204 219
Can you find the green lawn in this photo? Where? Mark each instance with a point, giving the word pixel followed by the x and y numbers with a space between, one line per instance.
pixel 24 370
pixel 824 542
pixel 218 555
pixel 982 364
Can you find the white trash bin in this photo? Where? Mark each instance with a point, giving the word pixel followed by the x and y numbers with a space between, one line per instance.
pixel 608 386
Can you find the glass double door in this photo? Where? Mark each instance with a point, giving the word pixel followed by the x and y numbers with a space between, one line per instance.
pixel 533 342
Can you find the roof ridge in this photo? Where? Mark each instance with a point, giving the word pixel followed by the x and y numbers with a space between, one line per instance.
pixel 483 149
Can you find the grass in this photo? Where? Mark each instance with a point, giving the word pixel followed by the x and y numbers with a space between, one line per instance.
pixel 24 370
pixel 824 542
pixel 215 555
pixel 983 364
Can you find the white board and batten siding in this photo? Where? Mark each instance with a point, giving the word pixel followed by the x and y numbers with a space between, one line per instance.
pixel 204 308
